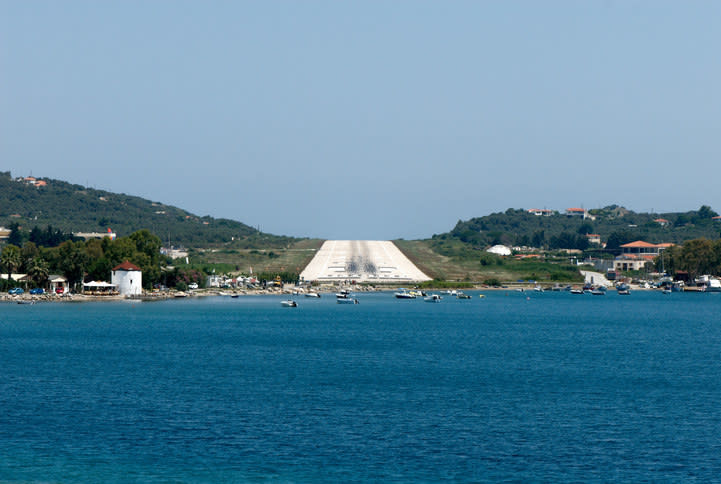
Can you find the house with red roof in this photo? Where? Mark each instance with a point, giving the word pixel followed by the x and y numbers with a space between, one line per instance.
pixel 594 239
pixel 128 278
pixel 576 212
pixel 635 255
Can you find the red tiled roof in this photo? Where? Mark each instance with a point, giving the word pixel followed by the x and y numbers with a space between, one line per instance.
pixel 661 220
pixel 126 266
pixel 639 243
pixel 575 210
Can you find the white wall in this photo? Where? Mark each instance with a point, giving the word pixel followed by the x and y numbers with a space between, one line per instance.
pixel 130 283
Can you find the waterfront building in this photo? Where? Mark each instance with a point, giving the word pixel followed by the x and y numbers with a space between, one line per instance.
pixel 128 278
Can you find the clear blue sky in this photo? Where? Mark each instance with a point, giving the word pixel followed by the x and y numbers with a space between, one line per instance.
pixel 367 119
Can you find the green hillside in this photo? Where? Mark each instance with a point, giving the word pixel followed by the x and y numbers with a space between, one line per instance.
pixel 74 208
pixel 615 225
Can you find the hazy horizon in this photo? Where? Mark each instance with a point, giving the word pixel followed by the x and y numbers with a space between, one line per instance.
pixel 367 120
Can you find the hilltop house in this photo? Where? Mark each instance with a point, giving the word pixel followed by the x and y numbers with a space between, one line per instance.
pixel 540 212
pixel 128 278
pixel 593 239
pixel 576 212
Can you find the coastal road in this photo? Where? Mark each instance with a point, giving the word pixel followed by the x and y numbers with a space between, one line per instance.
pixel 596 278
pixel 362 261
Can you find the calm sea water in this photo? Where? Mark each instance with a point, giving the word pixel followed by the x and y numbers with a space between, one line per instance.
pixel 520 387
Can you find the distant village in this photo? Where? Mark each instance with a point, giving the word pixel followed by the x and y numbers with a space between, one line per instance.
pixel 126 278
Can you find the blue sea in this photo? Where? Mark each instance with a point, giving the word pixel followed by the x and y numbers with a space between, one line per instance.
pixel 523 387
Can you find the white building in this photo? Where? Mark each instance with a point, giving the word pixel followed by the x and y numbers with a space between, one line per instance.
pixel 128 278
pixel 499 250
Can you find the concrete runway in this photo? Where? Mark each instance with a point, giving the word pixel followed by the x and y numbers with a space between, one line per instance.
pixel 361 261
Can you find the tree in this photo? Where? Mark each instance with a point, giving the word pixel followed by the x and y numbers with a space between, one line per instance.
pixel 697 257
pixel 28 253
pixel 16 237
pixel 73 261
pixel 10 260
pixel 618 238
pixel 39 271
pixel 705 212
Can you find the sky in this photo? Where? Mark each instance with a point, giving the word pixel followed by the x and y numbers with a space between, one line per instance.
pixel 367 119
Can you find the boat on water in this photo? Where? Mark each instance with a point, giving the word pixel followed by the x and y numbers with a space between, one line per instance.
pixel 347 300
pixel 623 289
pixel 180 294
pixel 312 294
pixel 599 291
pixel 714 285
pixel 577 291
pixel 462 295
pixel 432 298
pixel 289 303
pixel 403 294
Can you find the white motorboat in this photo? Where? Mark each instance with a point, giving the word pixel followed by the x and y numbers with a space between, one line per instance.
pixel 433 298
pixel 403 294
pixel 713 285
pixel 312 294
pixel 346 300
pixel 289 303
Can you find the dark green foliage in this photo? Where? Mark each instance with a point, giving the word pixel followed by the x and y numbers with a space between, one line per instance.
pixel 614 224
pixel 65 208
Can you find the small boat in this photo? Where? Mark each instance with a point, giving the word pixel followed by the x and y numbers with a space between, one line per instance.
pixel 598 292
pixel 577 291
pixel 289 303
pixel 312 294
pixel 623 292
pixel 25 301
pixel 461 295
pixel 403 294
pixel 434 298
pixel 666 291
pixel 346 300
pixel 180 294
pixel 235 296
pixel 481 296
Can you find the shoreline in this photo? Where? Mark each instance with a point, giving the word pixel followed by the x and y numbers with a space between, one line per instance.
pixel 27 298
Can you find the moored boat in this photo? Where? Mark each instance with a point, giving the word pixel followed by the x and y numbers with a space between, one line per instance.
pixel 289 303
pixel 433 298
pixel 403 294
pixel 347 300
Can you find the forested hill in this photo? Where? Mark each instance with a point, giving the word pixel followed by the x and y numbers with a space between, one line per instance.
pixel 73 208
pixel 615 225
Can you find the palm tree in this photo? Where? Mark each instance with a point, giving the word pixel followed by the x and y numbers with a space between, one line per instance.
pixel 39 271
pixel 10 260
